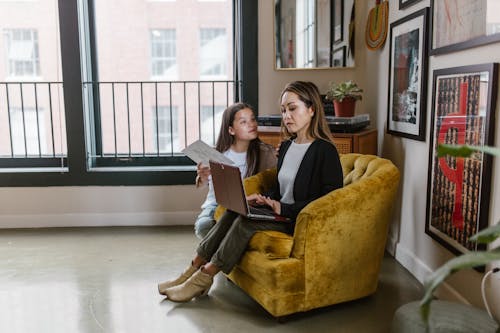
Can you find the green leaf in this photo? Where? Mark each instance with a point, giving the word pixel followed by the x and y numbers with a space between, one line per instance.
pixel 465 150
pixel 468 260
pixel 487 235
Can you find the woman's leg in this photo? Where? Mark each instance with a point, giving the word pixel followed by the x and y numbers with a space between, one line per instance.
pixel 210 243
pixel 228 253
pixel 235 243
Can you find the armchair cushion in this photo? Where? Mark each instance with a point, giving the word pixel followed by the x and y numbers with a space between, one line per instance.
pixel 273 244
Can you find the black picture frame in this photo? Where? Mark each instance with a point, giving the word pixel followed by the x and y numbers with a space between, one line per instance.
pixel 462 34
pixel 458 189
pixel 339 57
pixel 407 3
pixel 337 21
pixel 408 76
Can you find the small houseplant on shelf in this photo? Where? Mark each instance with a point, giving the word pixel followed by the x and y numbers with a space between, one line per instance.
pixel 344 96
pixel 470 259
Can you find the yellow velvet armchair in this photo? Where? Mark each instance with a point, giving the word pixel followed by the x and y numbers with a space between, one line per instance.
pixel 335 253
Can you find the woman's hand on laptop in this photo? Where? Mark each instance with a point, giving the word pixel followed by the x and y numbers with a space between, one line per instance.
pixel 258 199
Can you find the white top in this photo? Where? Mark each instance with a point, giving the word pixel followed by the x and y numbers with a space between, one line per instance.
pixel 289 168
pixel 240 160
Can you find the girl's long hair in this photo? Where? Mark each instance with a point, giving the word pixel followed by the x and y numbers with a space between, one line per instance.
pixel 309 93
pixel 225 140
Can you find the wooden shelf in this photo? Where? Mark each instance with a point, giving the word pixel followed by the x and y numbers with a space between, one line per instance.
pixel 363 142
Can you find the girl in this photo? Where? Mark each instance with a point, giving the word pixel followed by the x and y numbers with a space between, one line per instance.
pixel 239 142
pixel 308 168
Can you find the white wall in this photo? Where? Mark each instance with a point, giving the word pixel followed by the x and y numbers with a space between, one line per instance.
pixel 414 249
pixel 99 206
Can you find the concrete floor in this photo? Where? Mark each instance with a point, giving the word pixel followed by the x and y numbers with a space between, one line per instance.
pixel 104 280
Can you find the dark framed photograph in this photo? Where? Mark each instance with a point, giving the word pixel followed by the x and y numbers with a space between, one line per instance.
pixel 407 3
pixel 338 21
pixel 408 76
pixel 462 24
pixel 458 189
pixel 339 57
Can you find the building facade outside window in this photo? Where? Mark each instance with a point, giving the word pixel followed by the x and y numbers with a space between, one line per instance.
pixel 211 118
pixel 23 58
pixel 213 53
pixel 28 132
pixel 163 54
pixel 166 129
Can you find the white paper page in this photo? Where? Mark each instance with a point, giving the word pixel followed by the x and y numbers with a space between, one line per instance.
pixel 199 151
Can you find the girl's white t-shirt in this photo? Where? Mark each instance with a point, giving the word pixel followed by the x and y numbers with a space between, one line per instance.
pixel 240 160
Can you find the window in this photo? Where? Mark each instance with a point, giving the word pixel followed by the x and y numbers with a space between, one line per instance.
pixel 163 53
pixel 211 118
pixel 213 52
pixel 119 63
pixel 32 111
pixel 22 52
pixel 166 129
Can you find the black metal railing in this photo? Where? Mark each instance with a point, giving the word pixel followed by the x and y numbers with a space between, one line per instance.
pixel 130 123
pixel 155 118
pixel 32 124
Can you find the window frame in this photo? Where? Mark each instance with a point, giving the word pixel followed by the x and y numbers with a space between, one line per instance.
pixel 78 173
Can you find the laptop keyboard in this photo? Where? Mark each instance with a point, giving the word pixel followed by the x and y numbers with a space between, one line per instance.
pixel 260 211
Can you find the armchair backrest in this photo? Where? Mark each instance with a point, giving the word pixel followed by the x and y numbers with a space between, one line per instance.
pixel 370 186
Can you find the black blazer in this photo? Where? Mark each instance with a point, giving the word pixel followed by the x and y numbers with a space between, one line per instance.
pixel 320 172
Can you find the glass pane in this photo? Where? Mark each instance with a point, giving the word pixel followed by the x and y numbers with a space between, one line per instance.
pixel 32 119
pixel 157 42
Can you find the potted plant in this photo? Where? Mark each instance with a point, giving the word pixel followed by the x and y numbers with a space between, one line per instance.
pixel 344 96
pixel 472 258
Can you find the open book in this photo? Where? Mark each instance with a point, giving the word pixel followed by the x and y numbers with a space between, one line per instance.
pixel 199 151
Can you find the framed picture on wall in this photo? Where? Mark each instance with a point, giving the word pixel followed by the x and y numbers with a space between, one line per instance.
pixel 407 3
pixel 338 20
pixel 408 76
pixel 458 189
pixel 462 24
pixel 339 57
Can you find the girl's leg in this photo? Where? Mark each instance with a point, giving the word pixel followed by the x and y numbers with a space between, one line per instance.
pixel 204 222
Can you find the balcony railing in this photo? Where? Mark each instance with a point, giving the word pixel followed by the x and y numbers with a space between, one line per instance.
pixel 32 124
pixel 132 123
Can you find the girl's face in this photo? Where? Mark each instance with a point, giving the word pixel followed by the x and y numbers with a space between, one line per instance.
pixel 244 125
pixel 296 115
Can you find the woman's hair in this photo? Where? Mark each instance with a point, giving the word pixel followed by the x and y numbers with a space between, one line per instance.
pixel 309 94
pixel 225 140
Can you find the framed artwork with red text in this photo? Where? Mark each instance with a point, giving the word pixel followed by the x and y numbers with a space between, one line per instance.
pixel 458 189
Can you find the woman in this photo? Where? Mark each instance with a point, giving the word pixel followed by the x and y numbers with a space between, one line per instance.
pixel 239 142
pixel 308 168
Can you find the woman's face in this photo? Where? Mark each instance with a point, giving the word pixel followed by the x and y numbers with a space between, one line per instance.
pixel 296 115
pixel 244 125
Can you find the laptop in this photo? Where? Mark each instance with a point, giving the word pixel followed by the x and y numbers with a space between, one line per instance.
pixel 230 193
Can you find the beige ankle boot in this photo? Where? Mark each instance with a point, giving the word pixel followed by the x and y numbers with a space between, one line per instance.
pixel 162 287
pixel 197 285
